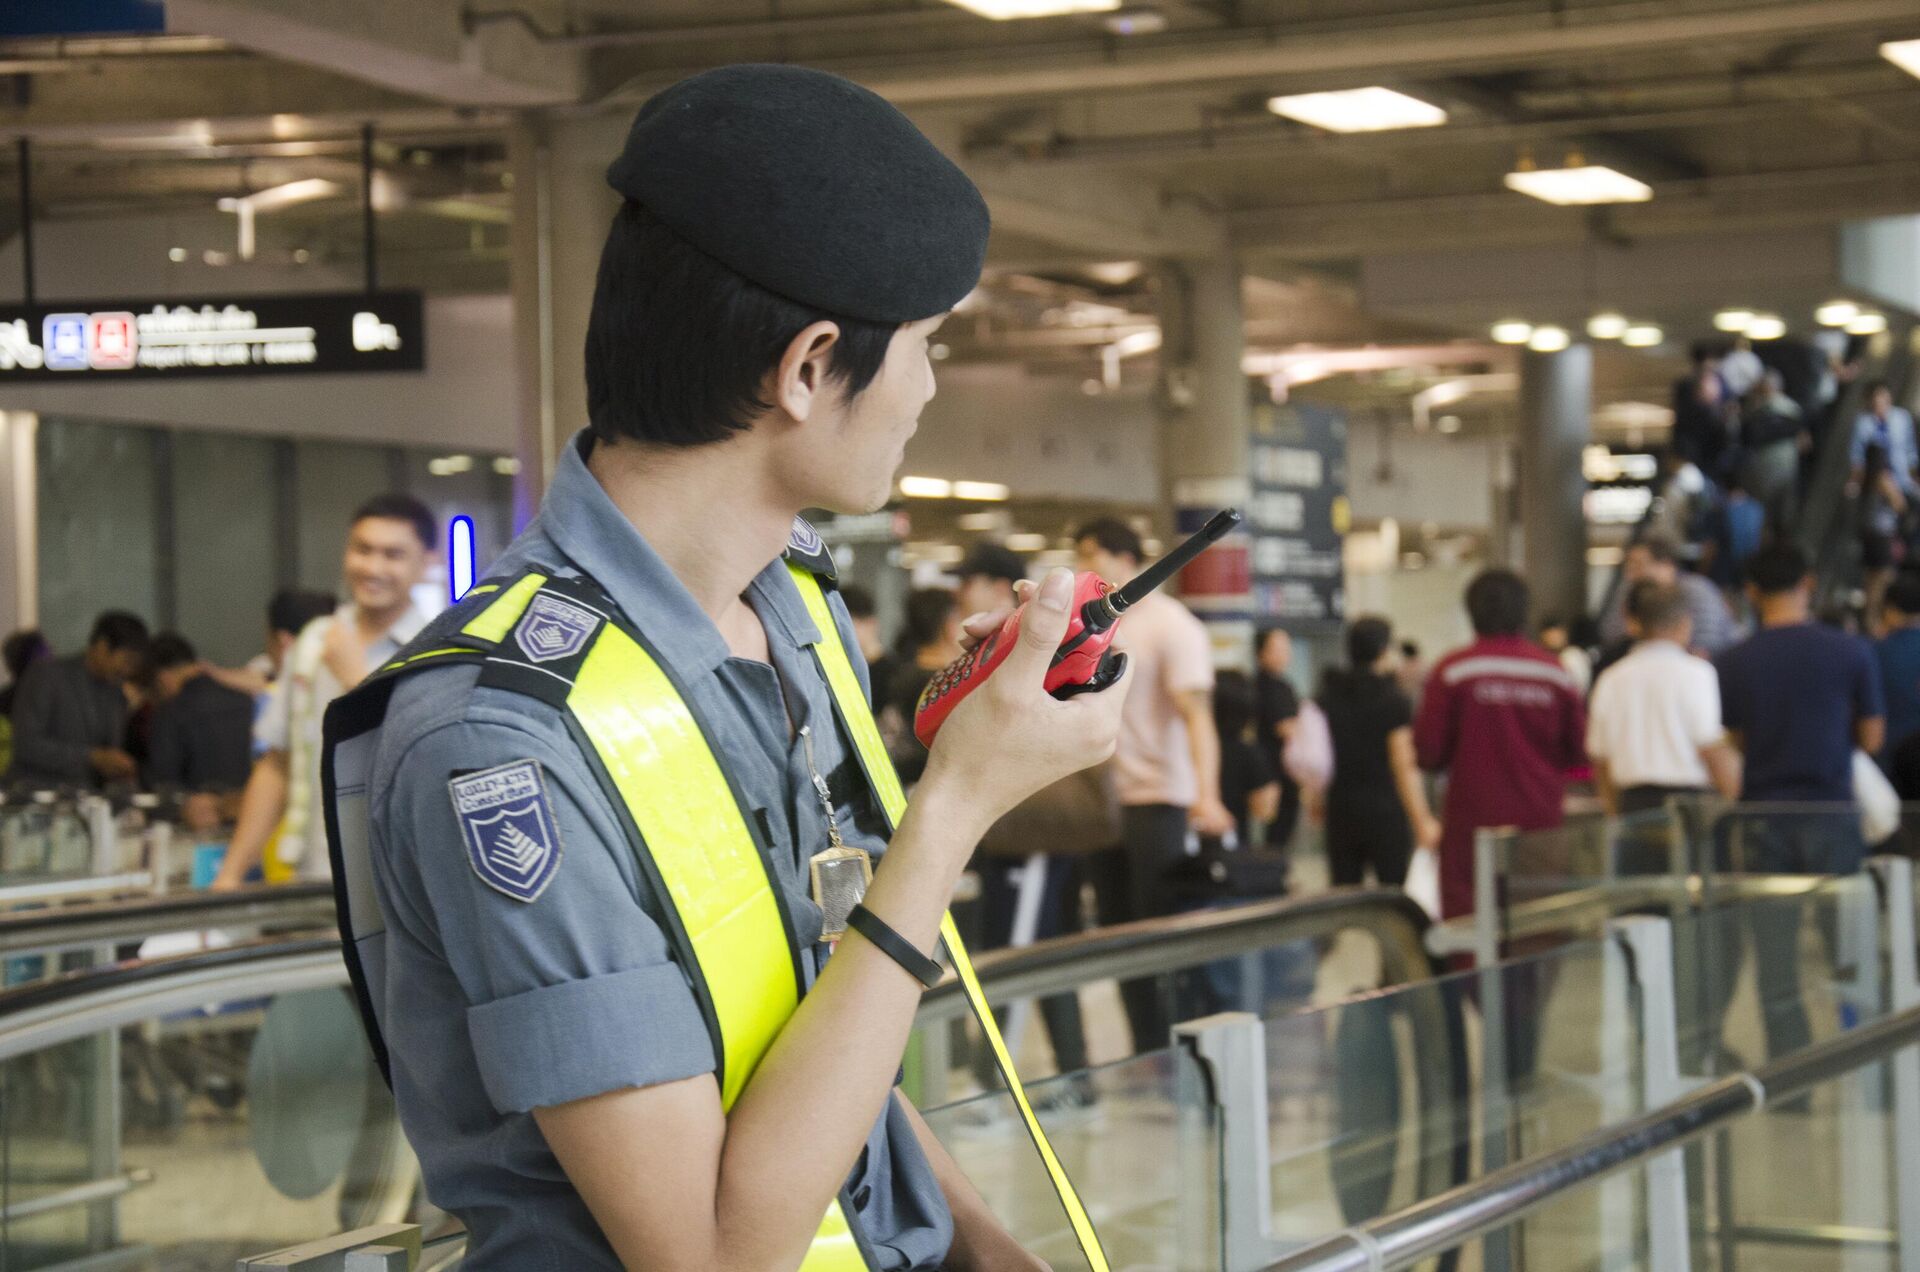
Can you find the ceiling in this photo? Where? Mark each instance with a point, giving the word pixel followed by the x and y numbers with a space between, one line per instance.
pixel 1101 153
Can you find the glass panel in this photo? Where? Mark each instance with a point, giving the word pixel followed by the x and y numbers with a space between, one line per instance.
pixel 1141 1146
pixel 475 491
pixel 96 517
pixel 225 523
pixel 332 479
pixel 195 1140
pixel 1383 1101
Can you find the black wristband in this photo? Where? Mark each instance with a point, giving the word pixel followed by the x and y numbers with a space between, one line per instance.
pixel 894 946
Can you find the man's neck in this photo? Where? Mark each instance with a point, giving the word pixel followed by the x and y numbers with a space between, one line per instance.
pixel 709 512
pixel 376 623
pixel 1782 613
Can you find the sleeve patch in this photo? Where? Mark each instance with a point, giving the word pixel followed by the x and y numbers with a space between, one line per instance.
pixel 508 826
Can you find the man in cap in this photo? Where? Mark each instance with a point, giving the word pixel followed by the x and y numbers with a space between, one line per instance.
pixel 564 1067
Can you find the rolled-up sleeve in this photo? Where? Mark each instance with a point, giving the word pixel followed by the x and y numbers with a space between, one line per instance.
pixel 574 993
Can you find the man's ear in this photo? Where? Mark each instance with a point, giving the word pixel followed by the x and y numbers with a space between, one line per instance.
pixel 801 377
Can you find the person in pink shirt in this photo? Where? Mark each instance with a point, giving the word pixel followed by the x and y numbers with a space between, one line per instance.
pixel 1167 765
pixel 1504 721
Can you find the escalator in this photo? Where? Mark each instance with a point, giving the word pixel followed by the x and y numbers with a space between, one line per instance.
pixel 185 1112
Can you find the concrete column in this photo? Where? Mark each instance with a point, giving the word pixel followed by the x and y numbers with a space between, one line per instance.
pixel 1204 423
pixel 1556 397
pixel 561 209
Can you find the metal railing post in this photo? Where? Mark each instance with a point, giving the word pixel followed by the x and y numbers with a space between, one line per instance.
pixel 1495 1115
pixel 387 1247
pixel 1223 1062
pixel 1650 941
pixel 1903 975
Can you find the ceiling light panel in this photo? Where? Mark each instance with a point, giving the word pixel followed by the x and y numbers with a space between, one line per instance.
pixel 1567 187
pixel 1003 10
pixel 1359 110
pixel 1904 54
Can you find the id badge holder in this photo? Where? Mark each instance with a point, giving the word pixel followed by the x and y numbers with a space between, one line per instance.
pixel 840 878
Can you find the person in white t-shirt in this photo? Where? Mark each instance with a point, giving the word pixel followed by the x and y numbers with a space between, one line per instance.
pixel 1653 725
pixel 390 543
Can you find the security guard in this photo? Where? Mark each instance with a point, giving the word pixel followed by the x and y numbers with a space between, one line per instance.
pixel 595 829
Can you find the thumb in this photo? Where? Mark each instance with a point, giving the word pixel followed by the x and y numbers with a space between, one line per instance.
pixel 1043 626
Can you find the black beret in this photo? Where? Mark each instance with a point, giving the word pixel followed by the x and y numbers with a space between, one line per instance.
pixel 812 187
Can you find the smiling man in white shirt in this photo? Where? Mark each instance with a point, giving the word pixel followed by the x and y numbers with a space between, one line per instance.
pixel 1653 727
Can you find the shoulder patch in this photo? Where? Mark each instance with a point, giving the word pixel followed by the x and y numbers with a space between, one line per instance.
pixel 553 628
pixel 506 819
pixel 806 547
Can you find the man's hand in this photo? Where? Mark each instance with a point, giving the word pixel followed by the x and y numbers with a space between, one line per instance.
pixel 1210 817
pixel 1010 738
pixel 200 812
pixel 343 653
pixel 1426 835
pixel 112 764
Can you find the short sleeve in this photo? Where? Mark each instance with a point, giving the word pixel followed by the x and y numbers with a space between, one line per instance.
pixel 1701 705
pixel 1732 702
pixel 1398 711
pixel 1188 665
pixel 1599 711
pixel 572 993
pixel 1869 697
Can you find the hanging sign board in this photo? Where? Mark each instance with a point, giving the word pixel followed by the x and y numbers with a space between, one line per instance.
pixel 103 340
pixel 82 17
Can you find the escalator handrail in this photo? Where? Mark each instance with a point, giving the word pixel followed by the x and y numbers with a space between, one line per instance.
pixel 1824 531
pixel 1150 946
pixel 89 1001
pixel 1444 1222
pixel 114 995
pixel 135 918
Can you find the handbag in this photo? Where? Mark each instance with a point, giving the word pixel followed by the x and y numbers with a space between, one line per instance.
pixel 1077 815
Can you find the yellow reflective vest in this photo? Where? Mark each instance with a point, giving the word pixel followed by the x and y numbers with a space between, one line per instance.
pixel 696 844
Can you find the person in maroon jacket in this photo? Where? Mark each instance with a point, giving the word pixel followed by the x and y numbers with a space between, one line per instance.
pixel 1504 720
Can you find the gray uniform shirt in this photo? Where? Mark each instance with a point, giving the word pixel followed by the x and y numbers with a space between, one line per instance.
pixel 492 1006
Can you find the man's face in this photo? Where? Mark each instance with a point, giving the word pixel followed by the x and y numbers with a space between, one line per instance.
pixel 107 663
pixel 850 450
pixel 983 594
pixel 1111 566
pixel 1882 401
pixel 169 681
pixel 1276 653
pixel 1642 564
pixel 385 560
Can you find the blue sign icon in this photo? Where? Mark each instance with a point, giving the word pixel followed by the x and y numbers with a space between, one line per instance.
pixel 65 338
pixel 460 555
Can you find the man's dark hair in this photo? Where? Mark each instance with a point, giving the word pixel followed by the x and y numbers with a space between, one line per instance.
pixel 1874 386
pixel 1657 607
pixel 928 609
pixel 1233 703
pixel 394 506
pixel 1903 593
pixel 857 599
pixel 992 561
pixel 291 609
pixel 1659 547
pixel 1776 568
pixel 1115 536
pixel 679 345
pixel 22 649
pixel 1497 603
pixel 1367 638
pixel 169 649
pixel 120 630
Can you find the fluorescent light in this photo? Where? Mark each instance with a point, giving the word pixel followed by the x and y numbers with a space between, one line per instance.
pixel 1027 542
pixel 506 466
pixel 1766 327
pixel 989 490
pixel 1593 183
pixel 1136 21
pixel 1448 424
pixel 1001 10
pixel 1358 110
pixel 292 192
pixel 926 487
pixel 1867 325
pixel 1642 336
pixel 1732 319
pixel 1904 54
pixel 1836 313
pixel 450 465
pixel 1548 339
pixel 1606 326
pixel 1511 332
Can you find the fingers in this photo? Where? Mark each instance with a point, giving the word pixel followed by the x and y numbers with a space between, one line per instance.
pixel 975 628
pixel 1043 628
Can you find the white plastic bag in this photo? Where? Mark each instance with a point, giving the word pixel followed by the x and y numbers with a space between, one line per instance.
pixel 1309 754
pixel 1879 802
pixel 1423 880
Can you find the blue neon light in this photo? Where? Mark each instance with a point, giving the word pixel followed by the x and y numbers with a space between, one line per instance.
pixel 460 555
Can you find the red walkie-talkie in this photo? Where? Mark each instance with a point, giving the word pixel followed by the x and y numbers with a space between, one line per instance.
pixel 1083 663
